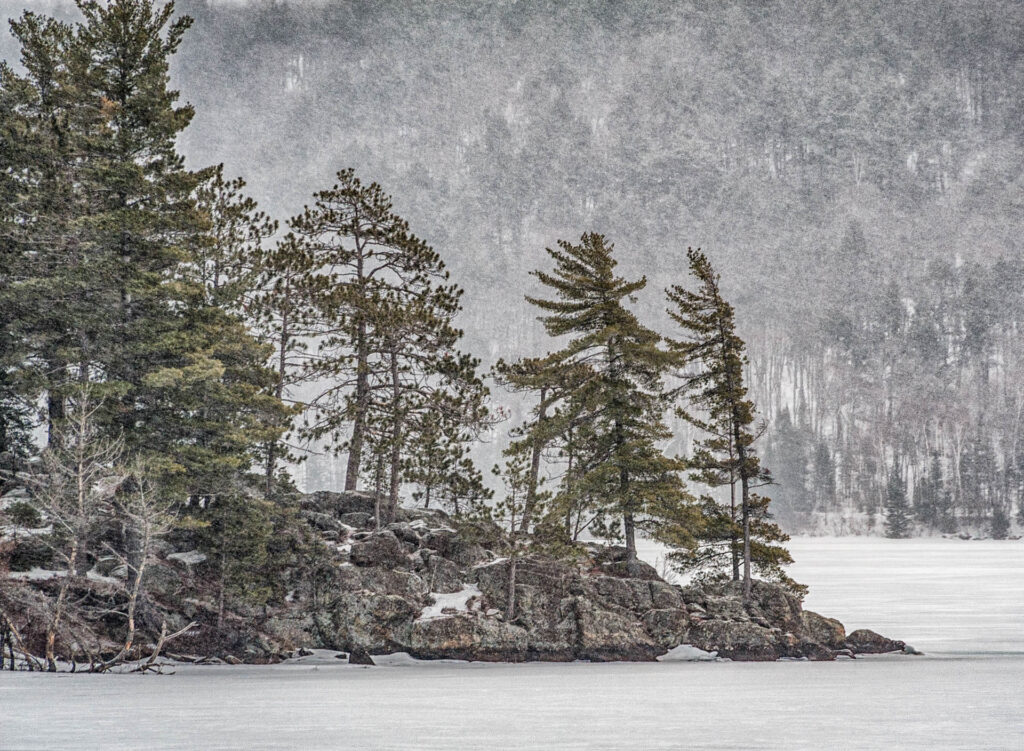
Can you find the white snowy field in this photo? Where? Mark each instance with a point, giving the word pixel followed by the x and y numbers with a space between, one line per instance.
pixel 962 602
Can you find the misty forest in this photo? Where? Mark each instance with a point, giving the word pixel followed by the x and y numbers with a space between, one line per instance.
pixel 851 169
pixel 415 326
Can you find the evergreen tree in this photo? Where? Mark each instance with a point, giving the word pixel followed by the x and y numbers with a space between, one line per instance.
pixel 364 253
pixel 713 358
pixel 618 404
pixel 111 248
pixel 54 307
pixel 552 383
pixel 281 308
pixel 437 458
pixel 897 507
pixel 386 310
pixel 228 257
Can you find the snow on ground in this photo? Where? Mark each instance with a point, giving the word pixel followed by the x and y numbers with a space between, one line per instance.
pixel 687 653
pixel 454 601
pixel 189 557
pixel 959 601
pixel 36 574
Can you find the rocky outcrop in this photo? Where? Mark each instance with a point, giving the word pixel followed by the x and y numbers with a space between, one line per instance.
pixel 864 641
pixel 434 588
pixel 424 587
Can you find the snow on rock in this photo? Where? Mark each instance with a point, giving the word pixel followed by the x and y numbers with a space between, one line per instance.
pixel 94 575
pixel 189 558
pixel 36 574
pixel 687 653
pixel 9 530
pixel 495 562
pixel 456 601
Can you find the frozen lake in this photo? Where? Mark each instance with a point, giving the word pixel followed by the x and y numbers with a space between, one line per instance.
pixel 962 602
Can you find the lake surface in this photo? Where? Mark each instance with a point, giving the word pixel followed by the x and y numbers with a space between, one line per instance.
pixel 961 602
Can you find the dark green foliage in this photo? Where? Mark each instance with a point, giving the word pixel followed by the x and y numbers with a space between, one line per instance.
pixel 23 514
pixel 616 405
pixel 897 509
pixel 933 501
pixel 128 264
pixel 711 358
pixel 1000 524
pixel 385 310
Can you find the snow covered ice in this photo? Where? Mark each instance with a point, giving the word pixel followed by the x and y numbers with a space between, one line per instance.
pixel 960 602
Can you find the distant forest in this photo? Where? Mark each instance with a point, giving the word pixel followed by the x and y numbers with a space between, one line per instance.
pixel 853 169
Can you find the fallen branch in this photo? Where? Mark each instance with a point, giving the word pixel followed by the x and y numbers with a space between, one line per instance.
pixel 14 641
pixel 164 638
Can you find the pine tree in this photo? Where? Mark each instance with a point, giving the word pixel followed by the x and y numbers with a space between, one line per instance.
pixel 227 259
pixel 112 272
pixel 552 384
pixel 366 253
pixel 618 405
pixel 54 310
pixel 386 310
pixel 712 358
pixel 281 307
pixel 897 507
pixel 437 456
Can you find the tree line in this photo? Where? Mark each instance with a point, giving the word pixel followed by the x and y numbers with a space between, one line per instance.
pixel 905 397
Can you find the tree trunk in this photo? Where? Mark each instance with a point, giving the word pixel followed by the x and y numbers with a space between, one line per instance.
pixel 54 415
pixel 746 538
pixel 535 456
pixel 222 583
pixel 355 446
pixel 396 440
pixel 58 609
pixel 282 371
pixel 734 543
pixel 510 610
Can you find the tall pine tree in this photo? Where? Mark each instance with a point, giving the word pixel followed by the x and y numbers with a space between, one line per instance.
pixel 712 358
pixel 618 404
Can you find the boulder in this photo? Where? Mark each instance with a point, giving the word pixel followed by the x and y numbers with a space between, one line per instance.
pixel 374 622
pixel 443 575
pixel 812 650
pixel 739 640
pixel 439 540
pixel 357 519
pixel 468 637
pixel 359 656
pixel 866 642
pixel 630 569
pixel 625 594
pixel 466 553
pixel 603 635
pixel 667 626
pixel 433 517
pixel 382 580
pixel 325 523
pixel 665 595
pixel 827 631
pixel 341 503
pixel 380 549
pixel 404 532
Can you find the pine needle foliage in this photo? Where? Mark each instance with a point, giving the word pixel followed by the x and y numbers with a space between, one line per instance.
pixel 617 404
pixel 711 358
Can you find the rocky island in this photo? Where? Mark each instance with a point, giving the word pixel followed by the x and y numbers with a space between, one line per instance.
pixel 436 589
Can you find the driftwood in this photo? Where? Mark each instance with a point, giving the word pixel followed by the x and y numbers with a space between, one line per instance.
pixel 14 642
pixel 149 664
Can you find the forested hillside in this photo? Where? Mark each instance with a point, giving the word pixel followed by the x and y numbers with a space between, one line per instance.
pixel 853 170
